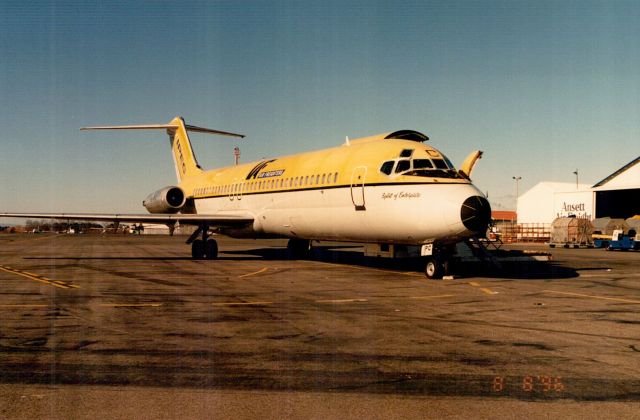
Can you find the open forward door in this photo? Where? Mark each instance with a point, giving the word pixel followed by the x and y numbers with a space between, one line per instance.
pixel 470 162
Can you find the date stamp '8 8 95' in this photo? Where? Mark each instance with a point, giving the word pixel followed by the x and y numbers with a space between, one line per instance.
pixel 540 383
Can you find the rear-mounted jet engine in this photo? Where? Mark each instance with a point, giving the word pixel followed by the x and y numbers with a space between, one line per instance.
pixel 166 200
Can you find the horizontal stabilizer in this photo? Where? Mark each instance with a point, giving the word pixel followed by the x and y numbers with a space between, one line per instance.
pixel 211 131
pixel 166 127
pixel 132 127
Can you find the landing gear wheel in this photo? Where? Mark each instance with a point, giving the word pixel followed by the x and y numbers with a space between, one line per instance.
pixel 434 269
pixel 299 249
pixel 197 249
pixel 211 249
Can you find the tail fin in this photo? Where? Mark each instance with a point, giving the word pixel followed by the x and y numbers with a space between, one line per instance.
pixel 183 156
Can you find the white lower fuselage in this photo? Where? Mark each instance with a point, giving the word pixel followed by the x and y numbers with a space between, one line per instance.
pixel 388 213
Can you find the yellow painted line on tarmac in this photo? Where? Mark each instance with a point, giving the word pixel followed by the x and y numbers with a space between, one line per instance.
pixel 63 283
pixel 488 291
pixel 340 300
pixel 254 273
pixel 130 305
pixel 35 277
pixel 404 273
pixel 241 303
pixel 593 296
pixel 484 289
pixel 430 297
pixel 608 274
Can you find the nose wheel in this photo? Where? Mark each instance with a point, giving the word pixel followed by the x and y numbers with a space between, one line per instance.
pixel 439 264
pixel 434 269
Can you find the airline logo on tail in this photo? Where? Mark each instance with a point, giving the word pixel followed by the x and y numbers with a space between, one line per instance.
pixel 181 163
pixel 184 158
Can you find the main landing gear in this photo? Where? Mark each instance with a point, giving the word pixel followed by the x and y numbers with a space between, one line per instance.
pixel 203 248
pixel 299 249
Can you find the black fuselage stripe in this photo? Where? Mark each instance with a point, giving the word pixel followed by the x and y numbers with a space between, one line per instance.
pixel 328 187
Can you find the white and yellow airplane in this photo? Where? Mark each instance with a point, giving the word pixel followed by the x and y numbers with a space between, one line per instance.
pixel 390 188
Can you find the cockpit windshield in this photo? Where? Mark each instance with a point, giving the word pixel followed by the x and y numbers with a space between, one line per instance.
pixel 432 168
pixel 403 166
pixel 422 164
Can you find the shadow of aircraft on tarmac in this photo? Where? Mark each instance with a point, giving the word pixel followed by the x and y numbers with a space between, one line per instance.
pixel 353 255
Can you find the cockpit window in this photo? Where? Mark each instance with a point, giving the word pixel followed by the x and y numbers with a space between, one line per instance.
pixel 406 153
pixel 422 164
pixel 387 167
pixel 403 165
pixel 446 159
pixel 430 168
pixel 440 164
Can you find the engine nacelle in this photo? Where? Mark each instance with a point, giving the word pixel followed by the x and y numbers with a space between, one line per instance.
pixel 166 200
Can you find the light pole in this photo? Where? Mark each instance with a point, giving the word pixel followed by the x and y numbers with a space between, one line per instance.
pixel 517 178
pixel 576 174
pixel 236 153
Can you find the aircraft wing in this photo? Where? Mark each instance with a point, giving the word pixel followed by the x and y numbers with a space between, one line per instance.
pixel 221 220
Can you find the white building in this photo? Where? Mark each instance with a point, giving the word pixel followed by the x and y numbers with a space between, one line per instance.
pixel 163 229
pixel 155 229
pixel 616 196
pixel 548 200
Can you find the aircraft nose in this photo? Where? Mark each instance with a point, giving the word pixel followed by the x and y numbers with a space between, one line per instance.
pixel 476 213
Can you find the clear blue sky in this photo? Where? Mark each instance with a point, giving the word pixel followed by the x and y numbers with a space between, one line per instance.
pixel 542 87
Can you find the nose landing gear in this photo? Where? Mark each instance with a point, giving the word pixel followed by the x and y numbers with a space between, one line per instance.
pixel 433 269
pixel 438 264
pixel 436 268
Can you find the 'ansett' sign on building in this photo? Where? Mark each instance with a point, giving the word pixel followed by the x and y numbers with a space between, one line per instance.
pixel 578 203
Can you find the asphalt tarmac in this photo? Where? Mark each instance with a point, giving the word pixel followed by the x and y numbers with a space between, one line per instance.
pixel 131 326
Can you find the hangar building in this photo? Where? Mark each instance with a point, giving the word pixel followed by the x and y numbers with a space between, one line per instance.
pixel 616 196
